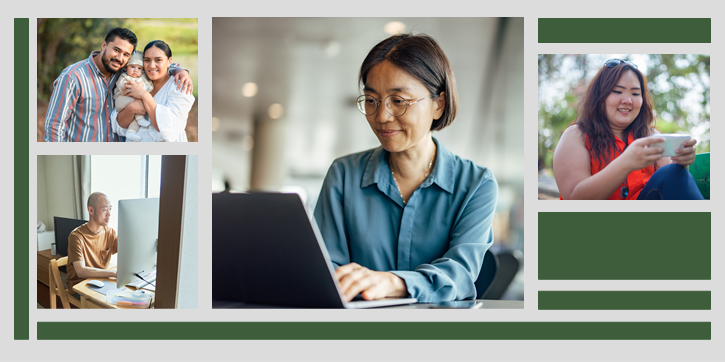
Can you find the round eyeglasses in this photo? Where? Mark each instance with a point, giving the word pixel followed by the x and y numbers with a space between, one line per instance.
pixel 394 105
pixel 611 63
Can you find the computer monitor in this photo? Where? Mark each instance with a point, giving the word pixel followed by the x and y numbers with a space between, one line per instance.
pixel 138 233
pixel 63 227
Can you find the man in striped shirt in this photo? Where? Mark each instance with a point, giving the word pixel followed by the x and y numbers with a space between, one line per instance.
pixel 82 100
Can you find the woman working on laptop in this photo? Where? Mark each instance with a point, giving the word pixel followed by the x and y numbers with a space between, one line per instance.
pixel 408 218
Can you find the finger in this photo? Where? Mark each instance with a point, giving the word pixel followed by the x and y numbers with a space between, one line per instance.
pixel 683 159
pixel 375 291
pixel 653 150
pixel 351 277
pixel 345 269
pixel 650 140
pixel 357 287
pixel 191 88
pixel 689 143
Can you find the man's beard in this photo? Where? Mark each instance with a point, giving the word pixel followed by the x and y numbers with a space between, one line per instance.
pixel 107 63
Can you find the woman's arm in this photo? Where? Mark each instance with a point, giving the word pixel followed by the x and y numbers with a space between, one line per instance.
pixel 135 90
pixel 329 216
pixel 572 169
pixel 453 275
pixel 170 113
pixel 126 116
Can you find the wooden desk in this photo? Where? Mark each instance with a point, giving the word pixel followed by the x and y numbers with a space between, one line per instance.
pixel 91 299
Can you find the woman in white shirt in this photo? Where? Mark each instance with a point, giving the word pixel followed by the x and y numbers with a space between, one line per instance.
pixel 165 106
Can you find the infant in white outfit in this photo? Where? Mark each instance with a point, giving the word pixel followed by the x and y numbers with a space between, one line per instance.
pixel 133 73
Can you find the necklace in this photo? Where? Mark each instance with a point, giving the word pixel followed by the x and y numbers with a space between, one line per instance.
pixel 427 172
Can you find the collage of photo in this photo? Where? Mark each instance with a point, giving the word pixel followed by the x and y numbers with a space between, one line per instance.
pixel 348 179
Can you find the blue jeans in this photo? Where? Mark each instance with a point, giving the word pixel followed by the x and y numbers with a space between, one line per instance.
pixel 671 182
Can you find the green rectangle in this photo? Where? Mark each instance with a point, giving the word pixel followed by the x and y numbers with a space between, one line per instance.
pixel 375 330
pixel 624 300
pixel 20 160
pixel 624 245
pixel 624 30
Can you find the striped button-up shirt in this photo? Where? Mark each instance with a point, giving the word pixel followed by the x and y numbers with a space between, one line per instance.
pixel 81 104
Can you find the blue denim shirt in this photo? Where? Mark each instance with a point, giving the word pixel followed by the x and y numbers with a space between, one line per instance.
pixel 435 243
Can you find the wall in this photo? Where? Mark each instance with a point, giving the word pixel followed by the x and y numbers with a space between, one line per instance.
pixel 55 188
pixel 189 264
pixel 42 203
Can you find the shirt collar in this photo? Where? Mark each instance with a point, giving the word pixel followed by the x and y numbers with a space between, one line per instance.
pixel 95 67
pixel 620 144
pixel 377 169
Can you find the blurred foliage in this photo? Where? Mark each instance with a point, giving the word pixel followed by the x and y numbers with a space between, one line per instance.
pixel 671 78
pixel 62 42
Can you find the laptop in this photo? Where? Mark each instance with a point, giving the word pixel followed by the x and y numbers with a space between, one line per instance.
pixel 267 250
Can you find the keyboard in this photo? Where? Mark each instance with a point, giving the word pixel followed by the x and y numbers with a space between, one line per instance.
pixel 140 283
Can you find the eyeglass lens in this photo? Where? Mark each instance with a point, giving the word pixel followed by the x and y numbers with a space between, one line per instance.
pixel 395 105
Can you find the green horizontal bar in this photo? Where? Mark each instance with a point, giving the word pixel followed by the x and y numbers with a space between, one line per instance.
pixel 624 245
pixel 374 330
pixel 624 30
pixel 624 300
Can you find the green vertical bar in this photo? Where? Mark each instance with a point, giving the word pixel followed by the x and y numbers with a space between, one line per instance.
pixel 376 330
pixel 624 245
pixel 624 30
pixel 624 300
pixel 22 151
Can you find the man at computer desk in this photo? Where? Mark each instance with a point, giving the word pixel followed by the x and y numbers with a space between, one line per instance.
pixel 91 245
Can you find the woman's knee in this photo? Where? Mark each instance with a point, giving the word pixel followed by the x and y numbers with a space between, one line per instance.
pixel 673 169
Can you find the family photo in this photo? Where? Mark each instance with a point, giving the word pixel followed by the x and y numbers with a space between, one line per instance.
pixel 117 80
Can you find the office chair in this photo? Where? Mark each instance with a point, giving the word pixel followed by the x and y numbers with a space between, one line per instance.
pixel 508 266
pixel 488 273
pixel 57 286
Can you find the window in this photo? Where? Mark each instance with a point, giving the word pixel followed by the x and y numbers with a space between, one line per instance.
pixel 125 177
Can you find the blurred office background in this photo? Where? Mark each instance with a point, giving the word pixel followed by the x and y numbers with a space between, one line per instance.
pixel 678 83
pixel 283 104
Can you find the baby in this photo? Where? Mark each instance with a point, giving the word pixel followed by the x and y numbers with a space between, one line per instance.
pixel 134 73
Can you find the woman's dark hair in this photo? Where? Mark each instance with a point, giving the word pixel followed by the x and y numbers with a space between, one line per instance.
pixel 159 44
pixel 593 120
pixel 421 57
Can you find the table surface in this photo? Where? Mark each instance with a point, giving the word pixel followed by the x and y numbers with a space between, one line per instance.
pixel 100 299
pixel 485 304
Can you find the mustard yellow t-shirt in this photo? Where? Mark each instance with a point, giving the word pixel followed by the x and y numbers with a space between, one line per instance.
pixel 94 249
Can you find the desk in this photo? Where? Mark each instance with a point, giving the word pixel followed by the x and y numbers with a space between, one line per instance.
pixel 487 304
pixel 91 299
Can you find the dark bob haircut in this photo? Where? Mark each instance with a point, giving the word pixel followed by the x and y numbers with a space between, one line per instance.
pixel 593 120
pixel 122 33
pixel 159 44
pixel 421 57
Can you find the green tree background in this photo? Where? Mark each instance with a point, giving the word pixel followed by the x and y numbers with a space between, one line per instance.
pixel 62 42
pixel 679 85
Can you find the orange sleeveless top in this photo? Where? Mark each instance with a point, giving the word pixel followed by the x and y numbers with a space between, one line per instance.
pixel 635 180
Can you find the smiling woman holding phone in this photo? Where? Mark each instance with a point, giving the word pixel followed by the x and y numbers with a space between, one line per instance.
pixel 610 152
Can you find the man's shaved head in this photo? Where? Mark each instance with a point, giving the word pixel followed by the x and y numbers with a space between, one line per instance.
pixel 93 199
